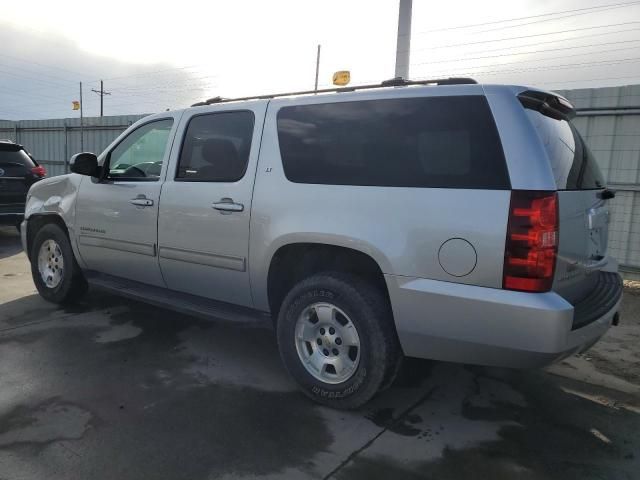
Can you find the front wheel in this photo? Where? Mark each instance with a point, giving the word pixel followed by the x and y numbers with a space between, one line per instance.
pixel 54 269
pixel 337 339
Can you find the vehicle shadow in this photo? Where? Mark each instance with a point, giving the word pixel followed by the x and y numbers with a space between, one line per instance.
pixel 9 242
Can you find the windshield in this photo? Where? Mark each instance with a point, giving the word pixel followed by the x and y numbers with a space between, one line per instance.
pixel 574 166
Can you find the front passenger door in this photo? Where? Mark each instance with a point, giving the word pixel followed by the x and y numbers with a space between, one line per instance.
pixel 117 216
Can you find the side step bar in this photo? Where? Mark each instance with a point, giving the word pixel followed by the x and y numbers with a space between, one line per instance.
pixel 177 301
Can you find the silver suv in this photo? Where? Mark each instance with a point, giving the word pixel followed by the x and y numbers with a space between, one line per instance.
pixel 443 220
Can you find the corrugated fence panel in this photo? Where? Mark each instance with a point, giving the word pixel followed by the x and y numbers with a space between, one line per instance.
pixel 46 144
pixel 52 142
pixel 7 130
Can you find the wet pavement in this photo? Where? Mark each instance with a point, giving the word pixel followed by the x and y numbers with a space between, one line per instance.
pixel 112 388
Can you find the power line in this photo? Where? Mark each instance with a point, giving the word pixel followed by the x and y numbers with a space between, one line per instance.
pixel 527 36
pixel 34 79
pixel 39 74
pixel 163 96
pixel 602 79
pixel 556 18
pixel 172 83
pixel 550 67
pixel 29 94
pixel 161 93
pixel 525 53
pixel 188 82
pixel 561 57
pixel 143 74
pixel 18 59
pixel 458 27
pixel 591 35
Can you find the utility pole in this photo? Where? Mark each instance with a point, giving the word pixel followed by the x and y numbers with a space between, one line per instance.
pixel 81 122
pixel 404 39
pixel 102 93
pixel 317 67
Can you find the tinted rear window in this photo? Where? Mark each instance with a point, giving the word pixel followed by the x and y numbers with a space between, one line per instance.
pixel 447 142
pixel 15 163
pixel 573 164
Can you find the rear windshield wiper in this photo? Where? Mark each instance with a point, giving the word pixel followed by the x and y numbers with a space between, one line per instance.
pixel 607 194
pixel 553 106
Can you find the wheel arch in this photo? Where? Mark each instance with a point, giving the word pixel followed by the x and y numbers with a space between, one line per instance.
pixel 38 220
pixel 292 262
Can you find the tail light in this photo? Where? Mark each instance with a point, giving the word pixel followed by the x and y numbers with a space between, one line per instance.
pixel 532 241
pixel 40 171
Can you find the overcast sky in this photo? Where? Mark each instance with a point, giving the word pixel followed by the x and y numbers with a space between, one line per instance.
pixel 158 55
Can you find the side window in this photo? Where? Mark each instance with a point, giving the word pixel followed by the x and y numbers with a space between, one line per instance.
pixel 216 147
pixel 440 142
pixel 140 155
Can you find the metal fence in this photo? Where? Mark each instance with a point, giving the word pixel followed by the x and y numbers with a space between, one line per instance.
pixel 608 118
pixel 52 142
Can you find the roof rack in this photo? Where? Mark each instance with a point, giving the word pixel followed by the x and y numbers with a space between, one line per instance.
pixel 394 82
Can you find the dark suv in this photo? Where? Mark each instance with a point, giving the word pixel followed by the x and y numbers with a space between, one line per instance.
pixel 18 171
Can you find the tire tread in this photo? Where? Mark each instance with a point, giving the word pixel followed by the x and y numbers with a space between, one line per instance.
pixel 386 353
pixel 73 286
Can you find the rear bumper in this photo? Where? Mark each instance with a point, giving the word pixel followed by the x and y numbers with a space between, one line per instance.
pixel 488 326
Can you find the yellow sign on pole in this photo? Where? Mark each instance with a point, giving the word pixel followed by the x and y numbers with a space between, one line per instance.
pixel 76 105
pixel 342 77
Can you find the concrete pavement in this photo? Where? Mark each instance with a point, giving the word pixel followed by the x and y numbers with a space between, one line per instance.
pixel 116 389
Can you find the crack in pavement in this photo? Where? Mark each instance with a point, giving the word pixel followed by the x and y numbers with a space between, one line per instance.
pixel 384 430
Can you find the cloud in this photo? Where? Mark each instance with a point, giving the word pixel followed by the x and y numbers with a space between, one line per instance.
pixel 40 73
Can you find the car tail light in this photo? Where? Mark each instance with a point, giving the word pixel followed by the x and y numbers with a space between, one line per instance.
pixel 40 171
pixel 532 241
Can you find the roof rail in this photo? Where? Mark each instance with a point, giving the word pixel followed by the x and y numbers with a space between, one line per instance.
pixel 394 82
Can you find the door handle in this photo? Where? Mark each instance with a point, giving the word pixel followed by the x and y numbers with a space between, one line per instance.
pixel 228 205
pixel 141 201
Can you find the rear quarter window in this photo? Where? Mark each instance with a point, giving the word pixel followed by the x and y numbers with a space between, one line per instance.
pixel 574 166
pixel 15 163
pixel 446 142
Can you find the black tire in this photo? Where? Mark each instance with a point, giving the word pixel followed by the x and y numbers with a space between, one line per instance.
pixel 73 285
pixel 369 310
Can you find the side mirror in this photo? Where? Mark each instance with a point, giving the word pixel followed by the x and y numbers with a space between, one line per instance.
pixel 84 163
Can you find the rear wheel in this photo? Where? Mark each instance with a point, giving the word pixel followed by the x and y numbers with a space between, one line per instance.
pixel 54 269
pixel 337 339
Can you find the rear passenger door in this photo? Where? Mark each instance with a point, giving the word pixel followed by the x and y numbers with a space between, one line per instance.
pixel 203 227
